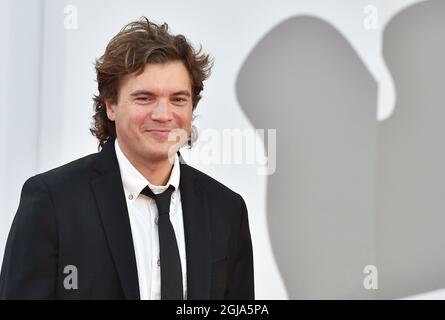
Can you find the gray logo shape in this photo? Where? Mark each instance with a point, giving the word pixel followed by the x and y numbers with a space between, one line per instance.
pixel 411 155
pixel 304 79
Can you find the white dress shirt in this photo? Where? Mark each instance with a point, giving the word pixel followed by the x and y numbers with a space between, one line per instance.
pixel 143 215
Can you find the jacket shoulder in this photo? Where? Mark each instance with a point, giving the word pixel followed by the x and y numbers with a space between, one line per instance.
pixel 70 172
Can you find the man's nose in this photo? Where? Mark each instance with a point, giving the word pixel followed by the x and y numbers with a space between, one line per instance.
pixel 162 111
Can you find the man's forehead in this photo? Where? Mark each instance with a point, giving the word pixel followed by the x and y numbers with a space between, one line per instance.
pixel 167 77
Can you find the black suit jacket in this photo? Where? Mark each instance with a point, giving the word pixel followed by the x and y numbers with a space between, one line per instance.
pixel 76 215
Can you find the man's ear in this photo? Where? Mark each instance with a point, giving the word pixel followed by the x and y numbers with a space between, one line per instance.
pixel 111 109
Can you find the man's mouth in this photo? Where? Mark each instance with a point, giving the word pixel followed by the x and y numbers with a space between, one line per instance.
pixel 159 133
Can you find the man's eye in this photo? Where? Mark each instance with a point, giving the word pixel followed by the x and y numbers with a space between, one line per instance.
pixel 143 99
pixel 180 100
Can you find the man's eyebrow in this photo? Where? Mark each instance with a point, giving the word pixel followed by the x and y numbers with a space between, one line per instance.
pixel 182 93
pixel 139 92
pixel 149 93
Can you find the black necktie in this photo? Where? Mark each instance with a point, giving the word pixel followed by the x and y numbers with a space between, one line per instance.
pixel 171 271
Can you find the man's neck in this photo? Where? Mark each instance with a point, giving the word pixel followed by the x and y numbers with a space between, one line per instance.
pixel 157 172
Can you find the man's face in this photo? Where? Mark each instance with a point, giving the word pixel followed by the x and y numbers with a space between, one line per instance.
pixel 149 106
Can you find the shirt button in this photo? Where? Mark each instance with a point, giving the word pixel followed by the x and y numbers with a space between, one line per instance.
pixel 159 262
pixel 130 196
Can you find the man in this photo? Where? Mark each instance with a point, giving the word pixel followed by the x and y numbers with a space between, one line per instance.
pixel 133 221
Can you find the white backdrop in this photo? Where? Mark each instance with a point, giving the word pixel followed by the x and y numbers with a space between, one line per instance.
pixel 47 81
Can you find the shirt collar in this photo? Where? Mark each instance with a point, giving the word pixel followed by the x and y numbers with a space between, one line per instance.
pixel 134 182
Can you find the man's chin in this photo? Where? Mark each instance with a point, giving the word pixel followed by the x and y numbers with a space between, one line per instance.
pixel 160 153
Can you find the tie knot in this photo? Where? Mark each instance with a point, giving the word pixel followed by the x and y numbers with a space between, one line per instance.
pixel 162 199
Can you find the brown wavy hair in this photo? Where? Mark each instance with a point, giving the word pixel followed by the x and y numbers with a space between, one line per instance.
pixel 138 43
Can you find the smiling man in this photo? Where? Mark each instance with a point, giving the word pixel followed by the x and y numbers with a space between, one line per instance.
pixel 133 221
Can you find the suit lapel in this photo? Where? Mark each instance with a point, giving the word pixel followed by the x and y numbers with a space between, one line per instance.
pixel 110 198
pixel 197 235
